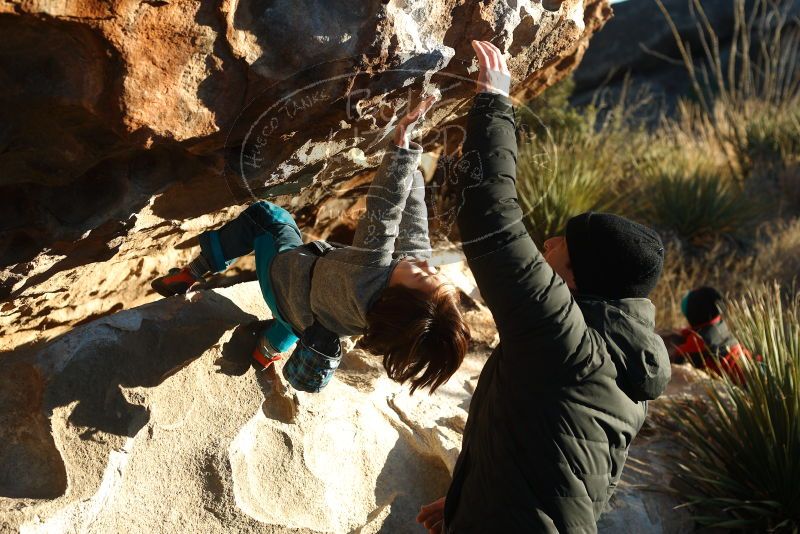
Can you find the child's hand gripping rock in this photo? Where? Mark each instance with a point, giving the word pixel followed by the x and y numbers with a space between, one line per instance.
pixel 405 128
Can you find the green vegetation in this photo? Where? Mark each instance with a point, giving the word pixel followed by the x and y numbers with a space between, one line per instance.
pixel 571 161
pixel 697 206
pixel 743 462
pixel 555 184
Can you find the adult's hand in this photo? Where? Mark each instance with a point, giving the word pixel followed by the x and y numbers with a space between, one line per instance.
pixel 493 76
pixel 404 129
pixel 431 516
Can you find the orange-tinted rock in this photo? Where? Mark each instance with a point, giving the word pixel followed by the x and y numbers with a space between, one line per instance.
pixel 127 126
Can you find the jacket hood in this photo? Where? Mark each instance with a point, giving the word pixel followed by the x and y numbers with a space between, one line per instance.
pixel 639 354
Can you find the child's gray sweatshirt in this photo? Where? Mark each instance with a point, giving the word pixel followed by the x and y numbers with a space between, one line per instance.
pixel 347 281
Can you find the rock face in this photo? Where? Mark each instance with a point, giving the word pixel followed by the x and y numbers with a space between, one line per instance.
pixel 146 424
pixel 150 420
pixel 126 126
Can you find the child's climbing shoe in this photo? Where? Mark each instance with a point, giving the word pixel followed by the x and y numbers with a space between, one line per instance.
pixel 264 354
pixel 176 282
pixel 314 360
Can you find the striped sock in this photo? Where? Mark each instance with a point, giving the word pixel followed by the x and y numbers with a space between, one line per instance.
pixel 199 267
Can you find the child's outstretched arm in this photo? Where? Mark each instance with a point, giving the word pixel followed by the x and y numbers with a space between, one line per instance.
pixel 379 227
pixel 413 237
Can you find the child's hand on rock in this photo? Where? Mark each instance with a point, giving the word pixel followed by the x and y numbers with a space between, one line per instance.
pixel 404 129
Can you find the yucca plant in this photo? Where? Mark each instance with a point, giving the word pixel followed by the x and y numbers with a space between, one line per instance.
pixel 698 206
pixel 554 185
pixel 742 446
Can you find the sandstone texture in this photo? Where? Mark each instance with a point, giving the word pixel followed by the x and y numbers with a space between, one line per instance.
pixel 128 126
pixel 152 426
pixel 152 420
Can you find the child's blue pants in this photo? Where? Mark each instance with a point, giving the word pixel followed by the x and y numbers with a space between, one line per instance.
pixel 268 230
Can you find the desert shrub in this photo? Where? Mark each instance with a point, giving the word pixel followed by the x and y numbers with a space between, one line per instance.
pixel 749 99
pixel 557 182
pixel 669 178
pixel 773 136
pixel 551 113
pixel 742 446
pixel 570 162
pixel 788 182
pixel 697 206
pixel 773 148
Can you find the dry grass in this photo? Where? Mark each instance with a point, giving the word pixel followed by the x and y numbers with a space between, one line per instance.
pixel 774 258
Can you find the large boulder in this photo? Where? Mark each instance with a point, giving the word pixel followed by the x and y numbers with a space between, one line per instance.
pixel 152 420
pixel 126 127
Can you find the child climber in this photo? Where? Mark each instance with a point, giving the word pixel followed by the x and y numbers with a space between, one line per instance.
pixel 707 343
pixel 381 287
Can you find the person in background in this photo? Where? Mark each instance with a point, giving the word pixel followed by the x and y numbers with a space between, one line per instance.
pixel 381 287
pixel 707 343
pixel 564 394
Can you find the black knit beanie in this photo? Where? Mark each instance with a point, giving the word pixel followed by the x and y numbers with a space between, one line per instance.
pixel 613 257
pixel 701 305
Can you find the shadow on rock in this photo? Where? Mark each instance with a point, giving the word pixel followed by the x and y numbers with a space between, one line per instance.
pixel 407 481
pixel 91 370
pixel 280 403
pixel 30 465
pixel 236 359
pixel 142 357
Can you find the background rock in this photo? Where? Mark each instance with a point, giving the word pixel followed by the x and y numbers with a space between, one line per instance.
pixel 630 45
pixel 638 44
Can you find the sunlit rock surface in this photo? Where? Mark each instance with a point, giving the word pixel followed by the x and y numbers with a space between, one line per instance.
pixel 152 420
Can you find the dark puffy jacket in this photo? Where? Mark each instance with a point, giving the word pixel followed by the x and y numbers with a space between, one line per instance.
pixel 565 392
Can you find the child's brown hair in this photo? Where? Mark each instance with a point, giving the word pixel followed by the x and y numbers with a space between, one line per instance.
pixel 422 336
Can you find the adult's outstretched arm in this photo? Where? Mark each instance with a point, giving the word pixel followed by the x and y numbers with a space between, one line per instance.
pixel 541 328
